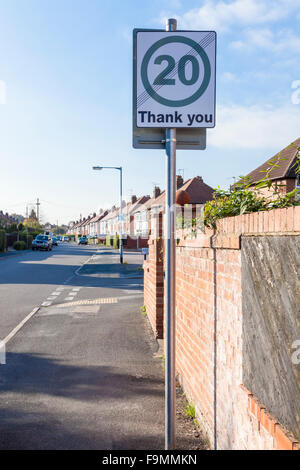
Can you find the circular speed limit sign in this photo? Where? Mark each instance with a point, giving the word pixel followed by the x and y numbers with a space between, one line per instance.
pixel 174 82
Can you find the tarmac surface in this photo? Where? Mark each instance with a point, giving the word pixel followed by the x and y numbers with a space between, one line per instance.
pixel 81 373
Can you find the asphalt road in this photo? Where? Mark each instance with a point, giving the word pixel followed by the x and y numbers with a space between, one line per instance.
pixel 27 279
pixel 81 373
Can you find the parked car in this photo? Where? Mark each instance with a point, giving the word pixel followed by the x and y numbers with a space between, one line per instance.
pixel 42 242
pixel 54 241
pixel 82 241
pixel 59 238
pixel 66 239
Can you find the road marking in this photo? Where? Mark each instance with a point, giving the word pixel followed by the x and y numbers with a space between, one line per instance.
pixel 69 298
pixel 103 300
pixel 73 293
pixel 46 304
pixel 51 298
pixel 19 326
pixel 76 289
pixel 56 293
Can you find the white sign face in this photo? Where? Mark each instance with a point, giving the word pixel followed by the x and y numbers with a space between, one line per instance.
pixel 175 82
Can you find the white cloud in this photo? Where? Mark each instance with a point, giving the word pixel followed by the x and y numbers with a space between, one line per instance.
pixel 273 41
pixel 255 127
pixel 222 16
pixel 229 77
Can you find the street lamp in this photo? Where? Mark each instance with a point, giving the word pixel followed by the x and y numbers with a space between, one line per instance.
pixel 120 213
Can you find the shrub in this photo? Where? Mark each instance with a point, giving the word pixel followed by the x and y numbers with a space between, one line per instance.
pixel 227 204
pixel 116 241
pixel 108 240
pixel 19 245
pixel 23 238
pixel 2 240
pixel 241 201
pixel 12 228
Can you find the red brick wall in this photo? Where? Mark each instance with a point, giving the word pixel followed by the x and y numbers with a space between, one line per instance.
pixel 209 328
pixel 134 243
pixel 154 280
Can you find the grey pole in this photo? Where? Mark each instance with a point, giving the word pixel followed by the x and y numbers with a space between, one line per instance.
pixel 121 218
pixel 27 227
pixel 170 375
pixel 121 198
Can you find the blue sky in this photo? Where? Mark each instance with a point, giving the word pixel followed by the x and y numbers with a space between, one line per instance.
pixel 65 97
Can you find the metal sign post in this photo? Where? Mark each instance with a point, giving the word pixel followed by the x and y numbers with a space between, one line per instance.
pixel 121 217
pixel 173 105
pixel 170 381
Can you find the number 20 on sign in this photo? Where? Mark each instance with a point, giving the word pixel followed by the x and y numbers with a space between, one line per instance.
pixel 174 79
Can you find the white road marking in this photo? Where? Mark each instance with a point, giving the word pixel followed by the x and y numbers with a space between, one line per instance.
pixel 73 293
pixel 51 298
pixel 56 293
pixel 19 326
pixel 69 298
pixel 76 289
pixel 46 304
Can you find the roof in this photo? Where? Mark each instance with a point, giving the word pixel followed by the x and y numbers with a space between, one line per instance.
pixel 198 191
pixel 137 205
pixel 285 160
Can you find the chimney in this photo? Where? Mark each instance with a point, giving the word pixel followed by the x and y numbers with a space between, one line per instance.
pixel 156 192
pixel 200 179
pixel 113 208
pixel 179 181
pixel 94 214
pixel 133 199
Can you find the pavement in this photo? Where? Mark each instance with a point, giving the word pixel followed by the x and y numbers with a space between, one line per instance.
pixel 81 373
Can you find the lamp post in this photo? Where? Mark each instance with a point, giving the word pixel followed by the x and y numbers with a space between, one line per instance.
pixel 120 213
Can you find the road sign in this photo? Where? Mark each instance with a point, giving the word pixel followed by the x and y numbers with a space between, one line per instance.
pixel 174 79
pixel 173 104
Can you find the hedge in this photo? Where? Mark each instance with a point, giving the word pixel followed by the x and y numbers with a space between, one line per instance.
pixel 116 241
pixel 19 245
pixel 2 240
pixel 108 240
pixel 23 238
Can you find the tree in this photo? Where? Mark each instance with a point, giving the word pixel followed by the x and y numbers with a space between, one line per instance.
pixel 33 216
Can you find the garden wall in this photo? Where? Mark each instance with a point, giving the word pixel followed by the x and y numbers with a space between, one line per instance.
pixel 228 362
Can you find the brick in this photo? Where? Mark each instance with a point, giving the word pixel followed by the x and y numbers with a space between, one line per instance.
pixel 271 217
pixel 260 222
pixel 297 219
pixel 265 221
pixel 290 219
pixel 283 222
pixel 268 422
pixel 277 220
pixel 282 441
pixel 251 224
